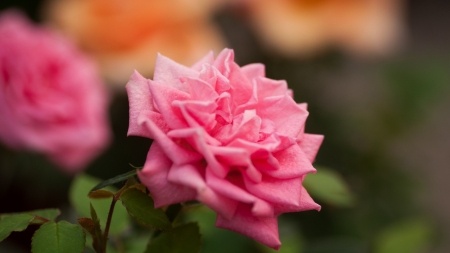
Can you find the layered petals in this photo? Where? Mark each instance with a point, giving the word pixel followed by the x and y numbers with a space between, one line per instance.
pixel 231 136
pixel 154 175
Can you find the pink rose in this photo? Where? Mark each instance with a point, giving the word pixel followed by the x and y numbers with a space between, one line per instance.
pixel 226 136
pixel 51 98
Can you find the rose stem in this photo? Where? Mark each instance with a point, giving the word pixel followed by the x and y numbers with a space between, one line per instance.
pixel 108 221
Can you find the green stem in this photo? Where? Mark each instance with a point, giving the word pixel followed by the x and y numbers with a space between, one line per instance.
pixel 108 222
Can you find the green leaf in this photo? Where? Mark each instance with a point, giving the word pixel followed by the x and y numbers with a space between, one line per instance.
pixel 96 223
pixel 14 222
pixel 114 180
pixel 41 215
pixel 327 186
pixel 141 207
pixel 184 239
pixel 80 201
pixel 49 214
pixel 411 236
pixel 98 240
pixel 61 237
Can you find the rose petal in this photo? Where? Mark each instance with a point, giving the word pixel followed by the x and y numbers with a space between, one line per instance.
pixel 207 59
pixel 168 72
pixel 231 190
pixel 284 112
pixel 198 113
pixel 237 157
pixel 154 176
pixel 310 144
pixel 143 131
pixel 261 229
pixel 305 203
pixel 164 96
pixel 281 191
pixel 189 175
pixel 293 163
pixel 199 140
pixel 223 61
pixel 217 80
pixel 254 70
pixel 140 99
pixel 246 127
pixel 200 90
pixel 224 107
pixel 176 153
pixel 269 88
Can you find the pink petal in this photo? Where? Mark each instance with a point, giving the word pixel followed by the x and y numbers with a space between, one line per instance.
pixel 217 80
pixel 207 59
pixel 263 160
pixel 164 96
pixel 263 230
pixel 190 135
pixel 190 176
pixel 293 163
pixel 223 61
pixel 250 104
pixel 143 131
pixel 304 106
pixel 237 157
pixel 168 72
pixel 224 107
pixel 154 176
pixel 140 100
pixel 310 144
pixel 198 113
pixel 242 88
pixel 224 206
pixel 254 70
pixel 281 191
pixel 269 88
pixel 272 143
pixel 200 90
pixel 231 156
pixel 246 127
pixel 199 140
pixel 231 190
pixel 305 203
pixel 176 153
pixel 275 142
pixel 284 112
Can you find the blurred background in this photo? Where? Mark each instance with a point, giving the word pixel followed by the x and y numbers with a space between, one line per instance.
pixel 375 75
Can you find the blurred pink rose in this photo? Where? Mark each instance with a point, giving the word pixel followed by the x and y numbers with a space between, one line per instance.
pixel 51 98
pixel 226 136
